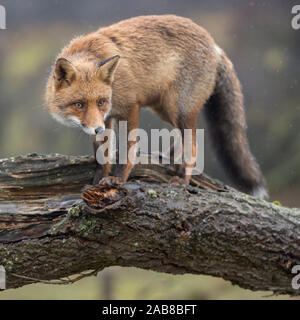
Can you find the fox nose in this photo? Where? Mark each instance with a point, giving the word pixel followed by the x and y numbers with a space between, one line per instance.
pixel 99 130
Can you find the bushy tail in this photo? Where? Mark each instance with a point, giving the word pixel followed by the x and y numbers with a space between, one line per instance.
pixel 226 118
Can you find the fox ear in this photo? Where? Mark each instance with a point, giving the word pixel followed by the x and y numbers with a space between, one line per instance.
pixel 107 68
pixel 64 73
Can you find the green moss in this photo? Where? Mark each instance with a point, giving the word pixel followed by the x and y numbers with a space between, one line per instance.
pixel 171 193
pixel 152 193
pixel 277 203
pixel 88 225
pixel 82 227
pixel 74 212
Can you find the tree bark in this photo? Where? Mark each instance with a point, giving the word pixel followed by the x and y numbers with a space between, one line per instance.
pixel 50 230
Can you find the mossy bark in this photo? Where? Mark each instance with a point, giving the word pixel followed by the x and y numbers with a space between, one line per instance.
pixel 48 232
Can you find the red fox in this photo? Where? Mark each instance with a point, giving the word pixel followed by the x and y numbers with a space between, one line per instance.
pixel 168 63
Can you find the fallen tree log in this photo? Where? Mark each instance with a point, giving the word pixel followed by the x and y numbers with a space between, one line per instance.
pixel 50 230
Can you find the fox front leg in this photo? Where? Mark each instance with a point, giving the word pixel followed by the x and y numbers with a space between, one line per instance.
pixel 103 170
pixel 122 171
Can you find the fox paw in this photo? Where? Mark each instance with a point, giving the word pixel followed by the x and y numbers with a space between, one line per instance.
pixel 177 181
pixel 111 181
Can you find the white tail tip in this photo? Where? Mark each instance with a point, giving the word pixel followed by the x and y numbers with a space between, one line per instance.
pixel 260 193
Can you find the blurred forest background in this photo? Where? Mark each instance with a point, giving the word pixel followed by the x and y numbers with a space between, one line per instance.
pixel 257 36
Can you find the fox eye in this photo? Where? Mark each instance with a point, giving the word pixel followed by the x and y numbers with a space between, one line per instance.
pixel 101 103
pixel 79 105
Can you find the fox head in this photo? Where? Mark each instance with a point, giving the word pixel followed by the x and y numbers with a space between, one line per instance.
pixel 79 94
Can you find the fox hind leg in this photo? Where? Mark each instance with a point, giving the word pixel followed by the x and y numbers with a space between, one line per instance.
pixel 188 126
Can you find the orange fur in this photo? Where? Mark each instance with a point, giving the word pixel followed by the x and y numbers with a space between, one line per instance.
pixel 166 62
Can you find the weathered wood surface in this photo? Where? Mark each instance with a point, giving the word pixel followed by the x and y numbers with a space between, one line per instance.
pixel 49 230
